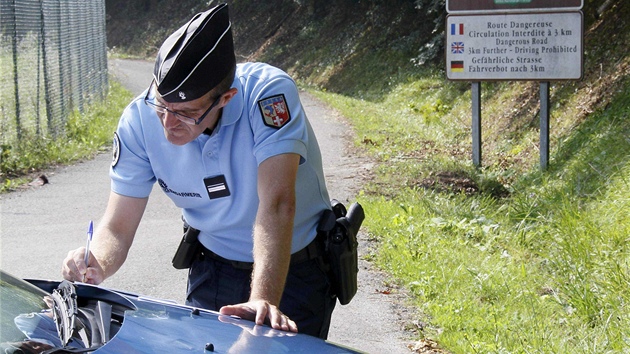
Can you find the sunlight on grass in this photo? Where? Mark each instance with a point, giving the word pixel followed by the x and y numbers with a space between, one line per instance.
pixel 545 270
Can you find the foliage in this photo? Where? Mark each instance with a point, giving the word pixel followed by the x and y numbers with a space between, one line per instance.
pixel 86 135
pixel 545 270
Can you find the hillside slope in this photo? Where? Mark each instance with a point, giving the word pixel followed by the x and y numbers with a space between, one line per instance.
pixel 319 41
pixel 367 48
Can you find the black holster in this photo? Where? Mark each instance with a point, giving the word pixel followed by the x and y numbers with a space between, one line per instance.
pixel 339 229
pixel 188 248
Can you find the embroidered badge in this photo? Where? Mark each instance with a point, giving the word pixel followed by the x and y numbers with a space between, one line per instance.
pixel 274 110
pixel 167 190
pixel 115 150
pixel 182 95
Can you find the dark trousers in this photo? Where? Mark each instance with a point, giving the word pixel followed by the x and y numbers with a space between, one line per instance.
pixel 307 298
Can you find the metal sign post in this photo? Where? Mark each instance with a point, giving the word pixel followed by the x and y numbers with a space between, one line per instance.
pixel 476 123
pixel 544 125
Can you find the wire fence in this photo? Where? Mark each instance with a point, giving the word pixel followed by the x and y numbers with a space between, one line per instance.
pixel 53 60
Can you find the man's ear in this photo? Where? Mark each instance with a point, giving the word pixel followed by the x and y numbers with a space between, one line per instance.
pixel 227 96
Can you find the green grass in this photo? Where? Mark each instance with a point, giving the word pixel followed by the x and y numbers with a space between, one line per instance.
pixel 533 261
pixel 86 134
pixel 545 270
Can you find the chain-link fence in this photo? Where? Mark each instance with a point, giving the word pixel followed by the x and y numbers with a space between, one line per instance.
pixel 53 59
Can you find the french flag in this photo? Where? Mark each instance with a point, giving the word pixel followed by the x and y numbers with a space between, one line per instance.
pixel 457 29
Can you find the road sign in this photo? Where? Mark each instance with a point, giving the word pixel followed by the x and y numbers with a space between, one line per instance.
pixel 489 6
pixel 544 46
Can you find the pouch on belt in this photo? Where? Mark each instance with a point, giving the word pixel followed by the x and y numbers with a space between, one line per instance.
pixel 188 248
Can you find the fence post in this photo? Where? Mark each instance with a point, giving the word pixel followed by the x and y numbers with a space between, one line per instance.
pixel 62 84
pixel 15 73
pixel 47 91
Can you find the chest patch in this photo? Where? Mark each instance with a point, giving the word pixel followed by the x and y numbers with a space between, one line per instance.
pixel 274 110
pixel 217 187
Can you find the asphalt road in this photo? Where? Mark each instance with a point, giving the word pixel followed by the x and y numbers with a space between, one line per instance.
pixel 39 225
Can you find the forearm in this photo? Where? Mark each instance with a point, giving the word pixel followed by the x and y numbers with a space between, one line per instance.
pixel 110 250
pixel 116 231
pixel 273 229
pixel 272 254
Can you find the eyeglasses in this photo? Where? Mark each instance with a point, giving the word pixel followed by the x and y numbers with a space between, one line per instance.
pixel 151 101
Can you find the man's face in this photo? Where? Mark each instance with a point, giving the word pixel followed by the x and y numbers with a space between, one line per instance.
pixel 180 131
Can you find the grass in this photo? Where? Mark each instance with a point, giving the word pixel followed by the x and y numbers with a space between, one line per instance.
pixel 85 135
pixel 533 261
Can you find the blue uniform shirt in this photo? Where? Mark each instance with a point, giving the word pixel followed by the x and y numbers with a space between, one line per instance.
pixel 265 118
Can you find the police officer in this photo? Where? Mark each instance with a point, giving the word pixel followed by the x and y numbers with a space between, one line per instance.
pixel 232 147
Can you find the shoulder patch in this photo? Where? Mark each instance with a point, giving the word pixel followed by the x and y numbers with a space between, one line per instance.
pixel 115 150
pixel 274 110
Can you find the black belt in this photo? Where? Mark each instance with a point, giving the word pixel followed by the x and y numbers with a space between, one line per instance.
pixel 312 251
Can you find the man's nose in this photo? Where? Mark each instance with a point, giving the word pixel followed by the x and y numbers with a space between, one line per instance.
pixel 170 120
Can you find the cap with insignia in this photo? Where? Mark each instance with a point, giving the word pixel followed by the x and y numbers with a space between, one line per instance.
pixel 195 58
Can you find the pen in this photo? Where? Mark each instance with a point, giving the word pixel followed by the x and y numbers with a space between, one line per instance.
pixel 89 239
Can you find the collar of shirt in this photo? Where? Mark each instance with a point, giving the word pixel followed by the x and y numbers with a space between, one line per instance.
pixel 234 109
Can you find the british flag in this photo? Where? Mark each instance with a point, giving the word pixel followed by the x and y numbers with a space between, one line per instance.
pixel 457 47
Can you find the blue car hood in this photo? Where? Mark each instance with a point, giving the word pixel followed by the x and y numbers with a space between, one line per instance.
pixel 158 326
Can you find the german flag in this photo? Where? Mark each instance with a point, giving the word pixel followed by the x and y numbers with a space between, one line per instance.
pixel 457 66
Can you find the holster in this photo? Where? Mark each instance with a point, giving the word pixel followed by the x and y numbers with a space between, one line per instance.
pixel 188 248
pixel 339 229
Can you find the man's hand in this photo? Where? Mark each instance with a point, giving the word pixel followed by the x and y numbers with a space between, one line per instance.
pixel 75 269
pixel 261 312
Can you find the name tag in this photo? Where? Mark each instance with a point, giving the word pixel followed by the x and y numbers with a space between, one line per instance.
pixel 217 187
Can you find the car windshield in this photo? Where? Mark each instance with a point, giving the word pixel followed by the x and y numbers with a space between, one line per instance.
pixel 26 319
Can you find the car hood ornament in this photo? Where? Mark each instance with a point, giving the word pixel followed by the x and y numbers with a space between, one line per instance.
pixel 65 310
